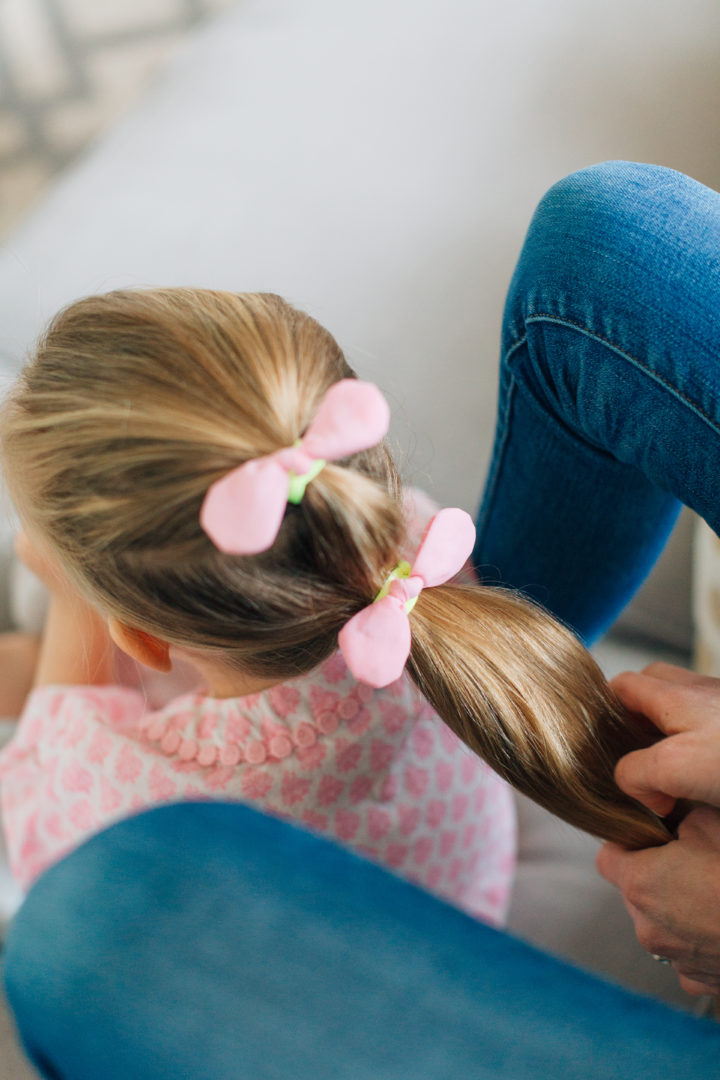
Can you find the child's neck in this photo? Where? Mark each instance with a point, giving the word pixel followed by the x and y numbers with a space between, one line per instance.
pixel 222 682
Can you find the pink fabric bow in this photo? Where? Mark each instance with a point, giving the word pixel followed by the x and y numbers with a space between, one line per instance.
pixel 242 512
pixel 376 641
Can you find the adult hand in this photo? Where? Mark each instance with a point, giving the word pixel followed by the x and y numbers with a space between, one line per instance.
pixel 673 892
pixel 673 896
pixel 686 764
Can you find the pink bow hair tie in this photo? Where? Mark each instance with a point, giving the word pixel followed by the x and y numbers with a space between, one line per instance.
pixel 376 642
pixel 242 512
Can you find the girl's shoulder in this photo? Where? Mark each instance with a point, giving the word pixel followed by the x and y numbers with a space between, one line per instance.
pixel 65 713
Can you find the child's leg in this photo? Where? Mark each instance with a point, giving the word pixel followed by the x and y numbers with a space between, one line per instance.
pixel 609 410
pixel 18 660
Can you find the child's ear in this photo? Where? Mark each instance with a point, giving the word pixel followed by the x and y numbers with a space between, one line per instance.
pixel 140 646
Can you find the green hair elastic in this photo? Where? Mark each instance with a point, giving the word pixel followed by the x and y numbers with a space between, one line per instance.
pixel 402 570
pixel 298 482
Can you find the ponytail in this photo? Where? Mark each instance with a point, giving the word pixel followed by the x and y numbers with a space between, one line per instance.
pixel 524 694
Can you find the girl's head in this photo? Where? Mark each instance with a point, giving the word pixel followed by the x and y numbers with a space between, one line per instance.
pixel 136 402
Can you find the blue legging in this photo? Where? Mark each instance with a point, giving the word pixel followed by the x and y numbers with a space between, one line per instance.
pixel 609 410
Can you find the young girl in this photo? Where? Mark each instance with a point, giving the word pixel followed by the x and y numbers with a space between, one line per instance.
pixel 197 483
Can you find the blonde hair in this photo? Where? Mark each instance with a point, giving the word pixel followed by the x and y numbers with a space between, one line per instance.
pixel 137 401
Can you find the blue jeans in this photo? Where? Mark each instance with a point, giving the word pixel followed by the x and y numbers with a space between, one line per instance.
pixel 609 409
pixel 209 942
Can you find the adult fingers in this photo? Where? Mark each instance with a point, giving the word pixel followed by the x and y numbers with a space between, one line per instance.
pixel 683 766
pixel 672 706
pixel 613 863
pixel 675 674
pixel 640 775
pixel 639 875
pixel 692 986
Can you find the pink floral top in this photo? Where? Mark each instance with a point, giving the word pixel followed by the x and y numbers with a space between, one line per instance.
pixel 375 769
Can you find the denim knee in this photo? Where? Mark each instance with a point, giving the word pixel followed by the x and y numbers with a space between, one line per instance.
pixel 610 188
pixel 617 234
pixel 613 196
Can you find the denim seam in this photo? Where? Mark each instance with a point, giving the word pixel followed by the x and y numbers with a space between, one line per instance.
pixel 499 454
pixel 543 317
pixel 514 348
